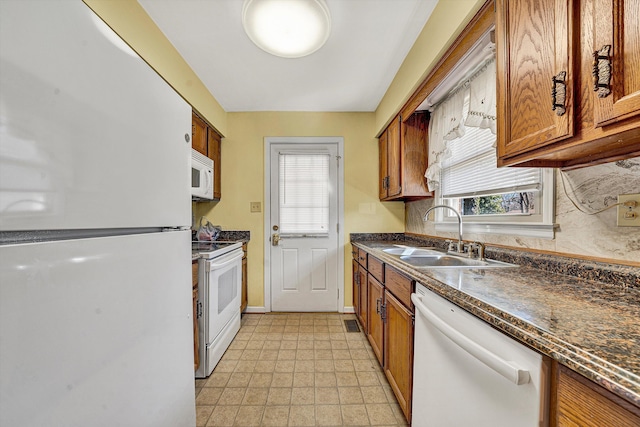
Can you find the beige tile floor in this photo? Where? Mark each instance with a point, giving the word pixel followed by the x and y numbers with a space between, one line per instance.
pixel 297 370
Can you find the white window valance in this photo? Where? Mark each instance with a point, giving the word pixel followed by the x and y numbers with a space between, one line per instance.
pixel 482 99
pixel 473 105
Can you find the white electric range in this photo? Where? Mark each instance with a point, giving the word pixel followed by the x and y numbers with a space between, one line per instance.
pixel 219 289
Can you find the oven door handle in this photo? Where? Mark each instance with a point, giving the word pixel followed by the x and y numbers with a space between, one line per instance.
pixel 508 369
pixel 210 265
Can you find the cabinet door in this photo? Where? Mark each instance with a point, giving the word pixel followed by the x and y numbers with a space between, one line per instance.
pixel 394 163
pixel 585 404
pixel 198 134
pixel 398 351
pixel 362 314
pixel 214 147
pixel 356 287
pixel 533 47
pixel 383 171
pixel 617 25
pixel 375 330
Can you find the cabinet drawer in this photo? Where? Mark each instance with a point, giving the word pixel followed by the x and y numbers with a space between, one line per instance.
pixel 376 268
pixel 399 285
pixel 362 257
pixel 355 252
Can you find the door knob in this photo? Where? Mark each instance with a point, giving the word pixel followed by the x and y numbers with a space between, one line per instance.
pixel 275 239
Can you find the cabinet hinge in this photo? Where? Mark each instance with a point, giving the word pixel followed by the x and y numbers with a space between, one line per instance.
pixel 413 320
pixel 383 313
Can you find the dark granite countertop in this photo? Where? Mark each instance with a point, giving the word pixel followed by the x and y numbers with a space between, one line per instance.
pixel 237 236
pixel 592 327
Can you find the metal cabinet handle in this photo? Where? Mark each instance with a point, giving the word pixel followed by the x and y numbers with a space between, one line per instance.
pixel 385 182
pixel 602 71
pixel 559 93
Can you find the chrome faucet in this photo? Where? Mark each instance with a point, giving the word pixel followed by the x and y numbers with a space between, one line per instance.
pixel 460 244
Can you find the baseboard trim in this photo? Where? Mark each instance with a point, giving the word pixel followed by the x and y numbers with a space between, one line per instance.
pixel 262 310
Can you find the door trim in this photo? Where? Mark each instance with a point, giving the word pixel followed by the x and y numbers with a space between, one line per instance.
pixel 268 141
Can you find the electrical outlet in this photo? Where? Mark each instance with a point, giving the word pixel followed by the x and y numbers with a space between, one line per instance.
pixel 629 210
pixel 256 207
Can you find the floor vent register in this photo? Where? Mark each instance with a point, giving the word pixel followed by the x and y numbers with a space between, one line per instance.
pixel 351 325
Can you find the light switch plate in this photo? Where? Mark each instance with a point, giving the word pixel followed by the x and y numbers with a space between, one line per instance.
pixel 629 216
pixel 256 207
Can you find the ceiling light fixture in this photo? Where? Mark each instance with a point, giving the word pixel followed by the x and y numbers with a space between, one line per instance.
pixel 287 28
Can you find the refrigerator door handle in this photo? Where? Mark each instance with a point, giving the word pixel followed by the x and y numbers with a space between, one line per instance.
pixel 508 369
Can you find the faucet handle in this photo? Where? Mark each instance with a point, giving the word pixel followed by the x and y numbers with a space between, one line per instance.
pixel 451 246
pixel 469 248
pixel 480 247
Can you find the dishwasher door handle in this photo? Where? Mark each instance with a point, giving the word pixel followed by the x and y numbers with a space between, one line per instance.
pixel 508 369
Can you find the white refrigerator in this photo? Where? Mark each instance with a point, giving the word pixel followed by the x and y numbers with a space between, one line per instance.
pixel 95 268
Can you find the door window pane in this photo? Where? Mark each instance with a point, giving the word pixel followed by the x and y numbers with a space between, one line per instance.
pixel 304 193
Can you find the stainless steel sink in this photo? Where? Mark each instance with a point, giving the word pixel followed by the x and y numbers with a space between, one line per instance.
pixel 413 252
pixel 452 261
pixel 432 258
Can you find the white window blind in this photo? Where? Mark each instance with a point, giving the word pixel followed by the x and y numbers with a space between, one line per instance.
pixel 471 168
pixel 304 193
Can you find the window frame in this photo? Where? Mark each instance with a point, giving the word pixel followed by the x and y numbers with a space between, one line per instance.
pixel 534 225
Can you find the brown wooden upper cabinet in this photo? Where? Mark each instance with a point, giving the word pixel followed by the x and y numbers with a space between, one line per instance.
pixel 213 150
pixel 207 141
pixel 568 82
pixel 403 158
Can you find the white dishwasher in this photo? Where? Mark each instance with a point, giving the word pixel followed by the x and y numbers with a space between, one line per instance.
pixel 466 373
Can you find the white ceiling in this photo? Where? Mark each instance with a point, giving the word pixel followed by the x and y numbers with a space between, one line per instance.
pixel 351 72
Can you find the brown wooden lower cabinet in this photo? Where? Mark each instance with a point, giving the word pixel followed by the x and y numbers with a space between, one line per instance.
pixel 385 301
pixel 355 268
pixel 375 292
pixel 398 351
pixel 362 307
pixel 580 402
pixel 387 315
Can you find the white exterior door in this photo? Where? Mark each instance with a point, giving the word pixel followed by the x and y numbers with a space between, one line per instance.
pixel 303 227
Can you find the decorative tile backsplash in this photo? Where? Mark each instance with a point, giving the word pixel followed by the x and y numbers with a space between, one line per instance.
pixel 592 189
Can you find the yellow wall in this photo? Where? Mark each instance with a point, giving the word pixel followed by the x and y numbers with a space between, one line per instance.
pixel 131 22
pixel 242 149
pixel 243 181
pixel 445 23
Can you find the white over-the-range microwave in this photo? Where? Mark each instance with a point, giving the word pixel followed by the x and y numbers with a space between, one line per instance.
pixel 201 176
